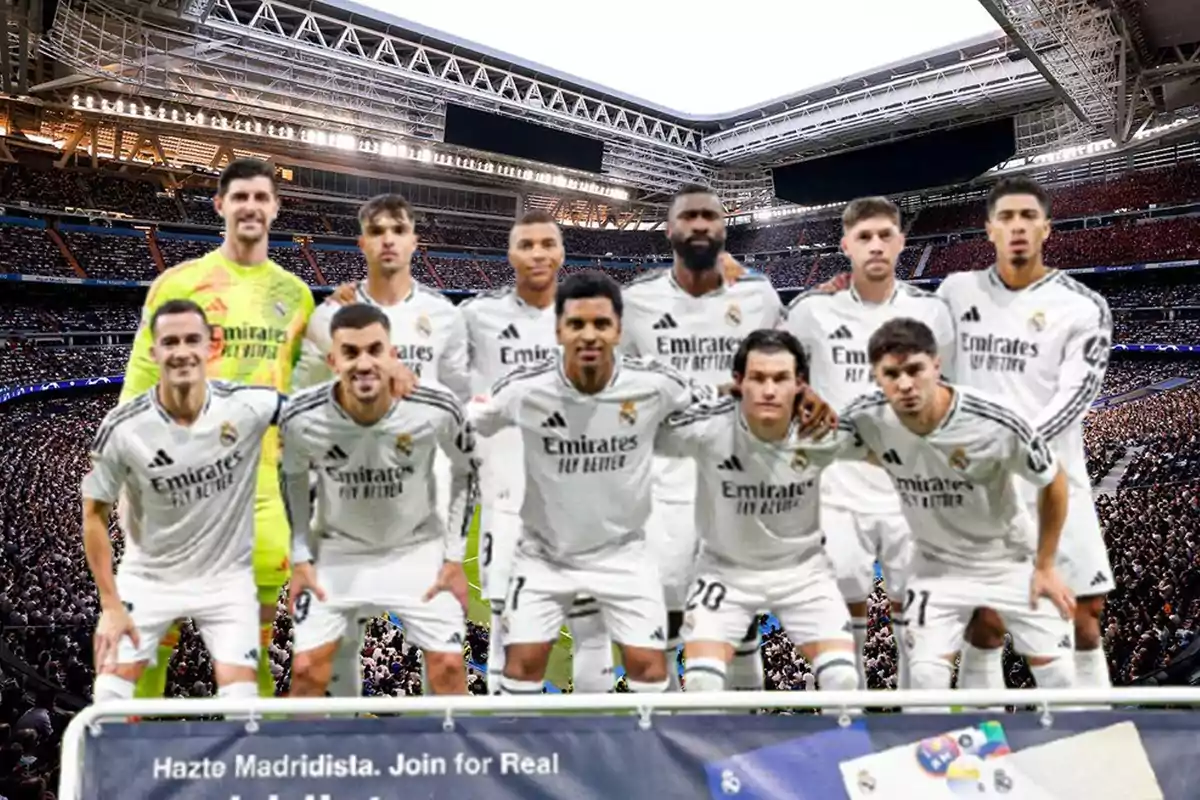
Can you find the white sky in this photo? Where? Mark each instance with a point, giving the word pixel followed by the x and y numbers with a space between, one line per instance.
pixel 705 57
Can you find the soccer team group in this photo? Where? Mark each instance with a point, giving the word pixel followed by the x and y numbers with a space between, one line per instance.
pixel 655 464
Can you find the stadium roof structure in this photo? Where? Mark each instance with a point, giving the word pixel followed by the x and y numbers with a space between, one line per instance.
pixel 1069 71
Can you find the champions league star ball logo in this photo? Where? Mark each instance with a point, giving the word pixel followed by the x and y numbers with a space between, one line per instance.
pixel 959 460
pixel 1038 321
pixel 229 434
pixel 733 315
pixel 799 460
pixel 404 443
pixel 628 413
pixel 424 326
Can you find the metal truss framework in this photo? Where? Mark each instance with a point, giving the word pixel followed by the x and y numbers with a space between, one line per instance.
pixel 305 68
pixel 988 84
pixel 1084 51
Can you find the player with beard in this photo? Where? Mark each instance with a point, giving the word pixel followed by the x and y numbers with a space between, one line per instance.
pixel 690 318
pixel 510 328
pixel 258 311
pixel 860 510
pixel 1041 340
pixel 377 542
pixel 430 338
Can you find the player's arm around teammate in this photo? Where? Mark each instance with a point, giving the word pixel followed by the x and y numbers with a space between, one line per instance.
pixel 758 519
pixel 380 534
pixel 186 452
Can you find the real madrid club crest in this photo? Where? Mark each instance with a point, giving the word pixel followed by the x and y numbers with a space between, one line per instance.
pixel 404 443
pixel 1038 321
pixel 628 413
pixel 424 326
pixel 799 460
pixel 733 315
pixel 229 434
pixel 959 460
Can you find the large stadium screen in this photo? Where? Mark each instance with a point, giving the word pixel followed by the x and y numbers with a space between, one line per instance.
pixel 494 133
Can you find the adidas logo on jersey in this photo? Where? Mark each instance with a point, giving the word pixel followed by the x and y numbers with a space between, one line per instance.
pixel 733 463
pixel 1065 643
pixel 510 332
pixel 892 457
pixel 555 420
pixel 161 459
pixel 658 636
pixel 1097 579
pixel 336 453
pixel 842 333
pixel 972 315
pixel 455 638
pixel 665 322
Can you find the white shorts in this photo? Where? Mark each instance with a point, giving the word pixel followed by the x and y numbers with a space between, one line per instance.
pixel 803 597
pixel 938 610
pixel 624 583
pixel 854 542
pixel 673 543
pixel 499 531
pixel 1082 556
pixel 365 585
pixel 224 609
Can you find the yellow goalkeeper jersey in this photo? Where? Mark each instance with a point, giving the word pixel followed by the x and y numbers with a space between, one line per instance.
pixel 258 314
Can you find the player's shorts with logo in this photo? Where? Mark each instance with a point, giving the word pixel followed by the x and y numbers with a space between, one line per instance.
pixel 804 597
pixel 362 586
pixel 938 608
pixel 224 609
pixel 624 583
pixel 673 543
pixel 272 536
pixel 854 542
pixel 1082 557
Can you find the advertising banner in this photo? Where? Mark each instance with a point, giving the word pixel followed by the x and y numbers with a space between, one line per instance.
pixel 1125 755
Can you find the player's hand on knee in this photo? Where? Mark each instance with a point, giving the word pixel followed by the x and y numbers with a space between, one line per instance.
pixel 402 381
pixel 451 578
pixel 114 624
pixel 1049 584
pixel 345 294
pixel 304 579
pixel 817 417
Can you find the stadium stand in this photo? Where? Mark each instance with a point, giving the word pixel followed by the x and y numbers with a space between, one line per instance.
pixel 48 606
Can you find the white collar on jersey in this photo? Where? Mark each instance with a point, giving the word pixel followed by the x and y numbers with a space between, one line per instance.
pixel 955 397
pixel 856 297
pixel 994 278
pixel 363 297
pixel 675 284
pixel 560 360
pixel 167 418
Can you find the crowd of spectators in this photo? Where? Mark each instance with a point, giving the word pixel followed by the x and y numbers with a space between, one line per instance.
pixel 47 602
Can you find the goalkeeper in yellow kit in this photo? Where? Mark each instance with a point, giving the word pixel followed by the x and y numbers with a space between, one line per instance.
pixel 259 312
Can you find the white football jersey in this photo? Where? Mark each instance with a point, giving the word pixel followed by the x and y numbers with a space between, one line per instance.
pixel 758 504
pixel 503 333
pixel 189 490
pixel 957 485
pixel 1044 349
pixel 698 336
pixel 834 329
pixel 376 490
pixel 587 456
pixel 427 330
